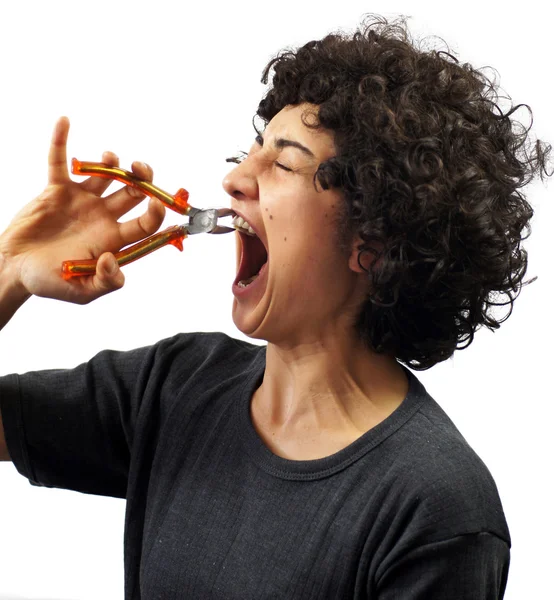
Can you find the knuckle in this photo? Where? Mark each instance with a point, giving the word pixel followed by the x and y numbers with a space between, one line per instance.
pixel 134 192
pixel 148 226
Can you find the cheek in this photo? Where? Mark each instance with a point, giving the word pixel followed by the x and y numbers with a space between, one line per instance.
pixel 304 249
pixel 301 229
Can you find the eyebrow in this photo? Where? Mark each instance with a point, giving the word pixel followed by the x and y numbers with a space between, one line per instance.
pixel 281 143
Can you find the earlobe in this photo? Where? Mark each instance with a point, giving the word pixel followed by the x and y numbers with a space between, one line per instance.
pixel 360 260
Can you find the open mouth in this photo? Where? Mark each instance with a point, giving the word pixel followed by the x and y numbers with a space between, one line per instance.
pixel 253 254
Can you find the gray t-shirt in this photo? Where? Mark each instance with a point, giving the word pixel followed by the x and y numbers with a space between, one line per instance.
pixel 408 511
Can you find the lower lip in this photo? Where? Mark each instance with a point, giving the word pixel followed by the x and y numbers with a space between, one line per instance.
pixel 244 292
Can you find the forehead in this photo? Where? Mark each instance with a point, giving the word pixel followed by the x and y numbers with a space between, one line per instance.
pixel 288 124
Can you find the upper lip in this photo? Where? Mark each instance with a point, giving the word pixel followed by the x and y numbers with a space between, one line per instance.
pixel 253 225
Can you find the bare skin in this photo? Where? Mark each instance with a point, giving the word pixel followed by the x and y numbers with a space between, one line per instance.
pixel 70 219
pixel 310 406
pixel 322 388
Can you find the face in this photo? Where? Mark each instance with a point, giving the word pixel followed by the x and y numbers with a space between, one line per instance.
pixel 308 286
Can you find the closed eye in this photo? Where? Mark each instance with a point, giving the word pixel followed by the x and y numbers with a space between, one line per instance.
pixel 260 141
pixel 278 164
pixel 242 155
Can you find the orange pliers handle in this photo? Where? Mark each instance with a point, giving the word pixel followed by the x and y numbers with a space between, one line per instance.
pixel 172 235
pixel 178 202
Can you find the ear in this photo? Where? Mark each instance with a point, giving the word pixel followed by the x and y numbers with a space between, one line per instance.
pixel 365 258
pixel 361 263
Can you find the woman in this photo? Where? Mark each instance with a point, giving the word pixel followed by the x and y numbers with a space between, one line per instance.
pixel 384 192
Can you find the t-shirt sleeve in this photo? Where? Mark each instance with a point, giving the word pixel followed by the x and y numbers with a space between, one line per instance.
pixel 465 567
pixel 75 428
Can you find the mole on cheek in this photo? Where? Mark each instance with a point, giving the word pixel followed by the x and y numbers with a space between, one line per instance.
pixel 285 239
pixel 271 216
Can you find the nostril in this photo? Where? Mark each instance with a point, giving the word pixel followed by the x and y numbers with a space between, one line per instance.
pixel 241 186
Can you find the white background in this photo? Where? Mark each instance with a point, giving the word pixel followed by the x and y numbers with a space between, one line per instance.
pixel 177 87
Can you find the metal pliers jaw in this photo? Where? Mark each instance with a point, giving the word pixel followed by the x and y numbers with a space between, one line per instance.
pixel 200 220
pixel 206 220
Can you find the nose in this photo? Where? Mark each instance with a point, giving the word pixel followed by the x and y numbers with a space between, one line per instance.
pixel 241 183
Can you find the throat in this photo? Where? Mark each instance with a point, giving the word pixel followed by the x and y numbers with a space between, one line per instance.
pixel 298 442
pixel 318 426
pixel 253 258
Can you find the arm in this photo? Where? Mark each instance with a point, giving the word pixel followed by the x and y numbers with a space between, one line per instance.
pixel 4 454
pixel 12 293
pixel 12 296
pixel 69 220
pixel 465 567
pixel 74 428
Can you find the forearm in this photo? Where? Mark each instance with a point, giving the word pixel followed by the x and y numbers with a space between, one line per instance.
pixel 12 293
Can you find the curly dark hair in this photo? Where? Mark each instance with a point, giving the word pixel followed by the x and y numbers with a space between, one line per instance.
pixel 430 168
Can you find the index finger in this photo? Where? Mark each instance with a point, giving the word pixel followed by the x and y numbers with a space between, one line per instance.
pixel 57 156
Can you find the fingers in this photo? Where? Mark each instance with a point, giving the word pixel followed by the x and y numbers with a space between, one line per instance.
pixel 108 277
pixel 57 156
pixel 145 225
pixel 125 199
pixel 98 185
pixel 142 171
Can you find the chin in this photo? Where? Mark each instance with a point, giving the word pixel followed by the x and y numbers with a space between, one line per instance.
pixel 247 321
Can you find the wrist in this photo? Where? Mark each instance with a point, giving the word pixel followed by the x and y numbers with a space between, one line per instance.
pixel 13 293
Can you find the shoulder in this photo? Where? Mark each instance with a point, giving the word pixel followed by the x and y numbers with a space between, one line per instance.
pixel 170 362
pixel 446 487
pixel 191 364
pixel 205 349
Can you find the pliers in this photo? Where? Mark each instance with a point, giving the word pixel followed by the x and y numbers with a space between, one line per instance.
pixel 200 220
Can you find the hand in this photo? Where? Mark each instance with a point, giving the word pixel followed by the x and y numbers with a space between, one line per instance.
pixel 72 220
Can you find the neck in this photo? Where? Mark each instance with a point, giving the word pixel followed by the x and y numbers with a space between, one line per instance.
pixel 333 386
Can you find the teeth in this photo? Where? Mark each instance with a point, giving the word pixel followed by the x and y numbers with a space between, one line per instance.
pixel 248 281
pixel 240 223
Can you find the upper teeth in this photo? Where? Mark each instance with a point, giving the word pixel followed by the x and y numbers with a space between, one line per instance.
pixel 240 223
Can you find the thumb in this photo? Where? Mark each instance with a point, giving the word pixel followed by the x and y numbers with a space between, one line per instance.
pixel 108 275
